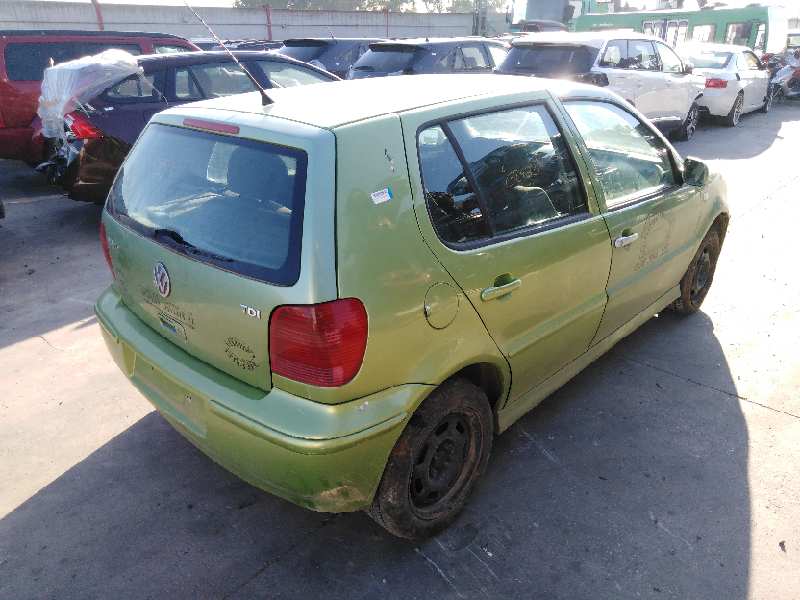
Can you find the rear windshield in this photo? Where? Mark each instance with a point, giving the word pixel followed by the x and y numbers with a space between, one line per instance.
pixel 26 61
pixel 231 202
pixel 710 60
pixel 386 60
pixel 550 59
pixel 303 53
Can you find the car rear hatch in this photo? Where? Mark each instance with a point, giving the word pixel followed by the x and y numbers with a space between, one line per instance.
pixel 211 225
pixel 562 60
pixel 304 50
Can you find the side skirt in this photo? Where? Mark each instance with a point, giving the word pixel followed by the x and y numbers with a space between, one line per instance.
pixel 507 416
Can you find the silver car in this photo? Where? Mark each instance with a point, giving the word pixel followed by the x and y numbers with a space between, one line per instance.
pixel 737 82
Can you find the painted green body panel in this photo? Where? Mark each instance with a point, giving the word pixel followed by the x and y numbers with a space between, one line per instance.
pixel 326 448
pixel 320 456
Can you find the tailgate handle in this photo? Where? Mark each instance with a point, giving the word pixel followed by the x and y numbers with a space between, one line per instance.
pixel 498 291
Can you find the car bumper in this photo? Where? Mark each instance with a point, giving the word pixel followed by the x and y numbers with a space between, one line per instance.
pixel 323 457
pixel 717 102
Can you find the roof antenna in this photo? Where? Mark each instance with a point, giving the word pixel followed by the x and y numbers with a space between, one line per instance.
pixel 265 100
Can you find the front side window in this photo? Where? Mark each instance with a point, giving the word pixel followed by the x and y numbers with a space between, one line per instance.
pixel 630 160
pixel 237 203
pixel 751 62
pixel 519 164
pixel 498 54
pixel 670 62
pixel 135 88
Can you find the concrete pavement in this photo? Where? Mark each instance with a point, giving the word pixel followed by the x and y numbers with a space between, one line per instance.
pixel 668 469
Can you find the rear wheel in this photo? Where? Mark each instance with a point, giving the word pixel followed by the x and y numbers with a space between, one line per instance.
pixel 698 277
pixel 689 127
pixel 735 115
pixel 435 464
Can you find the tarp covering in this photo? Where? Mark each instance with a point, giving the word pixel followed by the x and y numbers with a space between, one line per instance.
pixel 68 84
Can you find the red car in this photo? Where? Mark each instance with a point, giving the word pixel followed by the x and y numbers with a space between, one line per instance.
pixel 24 54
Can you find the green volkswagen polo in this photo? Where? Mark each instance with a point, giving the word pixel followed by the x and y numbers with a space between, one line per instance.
pixel 342 296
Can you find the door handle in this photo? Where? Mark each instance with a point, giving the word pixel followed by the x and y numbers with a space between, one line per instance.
pixel 498 291
pixel 625 240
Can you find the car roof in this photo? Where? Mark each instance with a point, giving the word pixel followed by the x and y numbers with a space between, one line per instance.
pixel 431 41
pixel 200 56
pixel 349 101
pixel 84 33
pixel 711 47
pixel 585 38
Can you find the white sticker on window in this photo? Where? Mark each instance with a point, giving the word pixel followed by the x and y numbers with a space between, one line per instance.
pixel 381 196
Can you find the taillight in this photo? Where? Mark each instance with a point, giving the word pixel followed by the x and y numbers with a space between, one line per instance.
pixel 318 344
pixel 81 127
pixel 104 245
pixel 716 83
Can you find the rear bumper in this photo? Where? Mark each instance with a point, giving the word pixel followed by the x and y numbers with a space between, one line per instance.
pixel 717 102
pixel 323 457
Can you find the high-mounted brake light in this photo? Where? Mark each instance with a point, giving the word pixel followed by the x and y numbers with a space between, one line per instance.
pixel 318 344
pixel 81 127
pixel 106 250
pixel 716 83
pixel 211 126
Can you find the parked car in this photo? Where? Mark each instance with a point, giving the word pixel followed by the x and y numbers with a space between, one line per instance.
pixel 336 55
pixel 642 69
pixel 101 136
pixel 24 54
pixel 429 55
pixel 344 301
pixel 737 82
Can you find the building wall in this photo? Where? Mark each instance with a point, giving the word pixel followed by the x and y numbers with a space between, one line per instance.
pixel 232 23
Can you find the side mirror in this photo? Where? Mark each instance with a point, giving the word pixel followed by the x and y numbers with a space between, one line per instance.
pixel 695 172
pixel 688 68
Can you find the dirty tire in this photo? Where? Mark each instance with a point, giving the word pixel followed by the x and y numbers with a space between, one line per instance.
pixel 435 464
pixel 689 126
pixel 733 118
pixel 699 276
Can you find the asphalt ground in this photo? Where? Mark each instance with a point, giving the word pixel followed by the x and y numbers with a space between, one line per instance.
pixel 667 469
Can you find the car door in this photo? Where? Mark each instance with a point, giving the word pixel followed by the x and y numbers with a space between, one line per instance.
pixel 651 217
pixel 501 201
pixel 679 91
pixel 755 79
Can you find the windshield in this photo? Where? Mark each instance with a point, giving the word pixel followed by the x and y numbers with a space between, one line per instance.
pixel 710 60
pixel 550 59
pixel 228 201
pixel 386 60
pixel 303 53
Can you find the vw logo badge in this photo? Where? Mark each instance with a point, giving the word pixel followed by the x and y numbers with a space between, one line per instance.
pixel 161 279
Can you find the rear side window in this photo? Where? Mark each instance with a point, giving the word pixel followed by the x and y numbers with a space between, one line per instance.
pixel 283 74
pixel 517 162
pixel 638 55
pixel 629 159
pixel 26 61
pixel 231 202
pixel 386 60
pixel 135 89
pixel 550 59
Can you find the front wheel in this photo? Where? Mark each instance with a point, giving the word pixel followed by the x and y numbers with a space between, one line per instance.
pixel 689 127
pixel 698 277
pixel 768 100
pixel 436 463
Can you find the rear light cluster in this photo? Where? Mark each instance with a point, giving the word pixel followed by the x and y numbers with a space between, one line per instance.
pixel 104 245
pixel 717 84
pixel 318 344
pixel 81 127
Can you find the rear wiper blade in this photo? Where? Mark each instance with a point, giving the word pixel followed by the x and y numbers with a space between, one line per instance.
pixel 188 246
pixel 173 235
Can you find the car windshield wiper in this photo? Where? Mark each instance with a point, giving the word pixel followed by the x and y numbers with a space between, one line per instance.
pixel 187 246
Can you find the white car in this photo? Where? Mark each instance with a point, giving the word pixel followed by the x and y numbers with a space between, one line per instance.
pixel 640 68
pixel 737 82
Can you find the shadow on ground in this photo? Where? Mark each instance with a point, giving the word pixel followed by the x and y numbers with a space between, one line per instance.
pixel 630 482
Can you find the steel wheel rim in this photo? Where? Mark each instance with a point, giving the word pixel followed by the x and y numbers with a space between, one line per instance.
pixel 442 464
pixel 702 276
